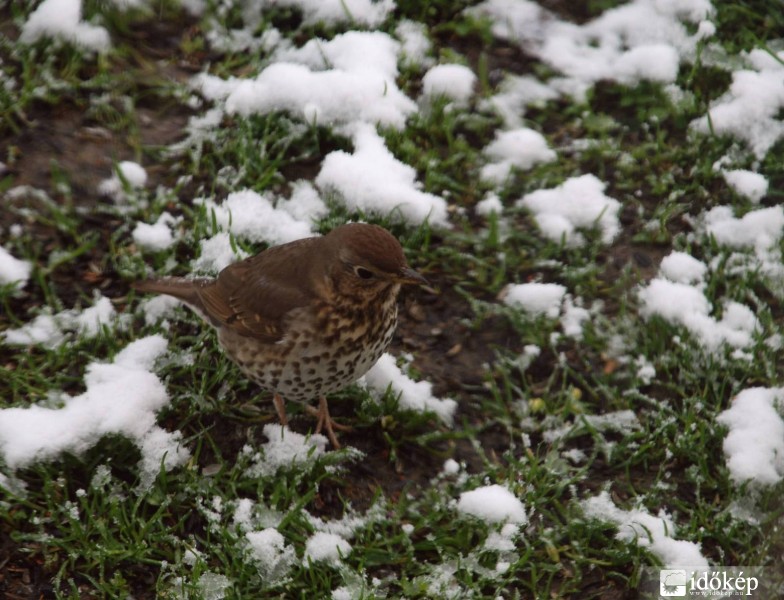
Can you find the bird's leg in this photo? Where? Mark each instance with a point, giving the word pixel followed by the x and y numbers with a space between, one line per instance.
pixel 280 408
pixel 325 421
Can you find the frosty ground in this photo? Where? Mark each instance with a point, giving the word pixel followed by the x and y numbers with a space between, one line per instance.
pixel 591 384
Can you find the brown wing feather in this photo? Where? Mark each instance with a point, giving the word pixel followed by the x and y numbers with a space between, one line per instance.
pixel 253 296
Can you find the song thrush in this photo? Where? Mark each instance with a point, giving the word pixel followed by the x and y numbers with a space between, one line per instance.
pixel 305 318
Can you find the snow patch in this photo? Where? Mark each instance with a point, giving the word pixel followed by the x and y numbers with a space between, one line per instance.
pixel 749 110
pixel 578 203
pixel 413 395
pixel 285 449
pixel 535 298
pixel 520 148
pixel 333 12
pixel 685 305
pixel 455 82
pixel 683 268
pixel 347 79
pixel 492 504
pixel 13 270
pixel 761 228
pixel 52 330
pixel 640 40
pixel 640 527
pixel 127 173
pixel 216 253
pixel 254 217
pixel 62 20
pixel 754 446
pixel 747 183
pixel 326 547
pixel 414 42
pixel 122 397
pixel 372 180
pixel 273 557
pixel 158 236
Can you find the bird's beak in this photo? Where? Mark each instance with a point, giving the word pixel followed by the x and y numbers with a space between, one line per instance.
pixel 409 276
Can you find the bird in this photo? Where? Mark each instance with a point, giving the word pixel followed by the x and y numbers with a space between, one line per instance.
pixel 306 318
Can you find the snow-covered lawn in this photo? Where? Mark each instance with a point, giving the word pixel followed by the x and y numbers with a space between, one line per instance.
pixel 592 383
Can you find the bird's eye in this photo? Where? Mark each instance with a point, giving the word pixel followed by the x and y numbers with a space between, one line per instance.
pixel 363 273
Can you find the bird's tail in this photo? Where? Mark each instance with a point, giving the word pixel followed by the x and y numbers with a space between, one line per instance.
pixel 179 287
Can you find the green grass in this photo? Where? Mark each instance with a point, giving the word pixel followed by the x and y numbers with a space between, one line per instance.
pixel 86 527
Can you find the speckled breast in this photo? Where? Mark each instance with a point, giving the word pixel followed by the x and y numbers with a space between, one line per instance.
pixel 321 352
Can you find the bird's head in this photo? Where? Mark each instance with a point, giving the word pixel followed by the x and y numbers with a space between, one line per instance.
pixel 370 262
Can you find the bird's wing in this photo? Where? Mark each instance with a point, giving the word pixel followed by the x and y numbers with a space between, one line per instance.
pixel 253 296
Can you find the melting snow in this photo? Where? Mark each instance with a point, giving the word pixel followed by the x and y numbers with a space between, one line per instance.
pixel 493 504
pixel 52 330
pixel 750 109
pixel 682 304
pixel 413 395
pixel 515 94
pixel 415 44
pixel 253 216
pixel 578 203
pixel 326 547
pixel 13 270
pixel 536 298
pixel 747 183
pixel 347 79
pixel 158 236
pixel 214 586
pixel 216 253
pixel 273 557
pixel 62 20
pixel 363 12
pixel 654 533
pixel 285 449
pixel 640 40
pixel 455 82
pixel 549 300
pixel 373 180
pixel 488 205
pixel 754 446
pixel 158 308
pixel 683 268
pixel 521 148
pixel 126 172
pixel 760 228
pixel 122 397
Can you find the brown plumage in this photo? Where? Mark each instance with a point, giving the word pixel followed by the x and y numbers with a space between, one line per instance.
pixel 306 318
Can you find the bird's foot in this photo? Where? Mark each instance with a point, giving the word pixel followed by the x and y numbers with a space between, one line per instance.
pixel 324 421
